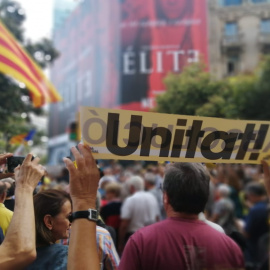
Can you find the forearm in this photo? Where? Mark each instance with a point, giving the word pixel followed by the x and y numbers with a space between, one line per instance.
pixel 18 247
pixel 122 234
pixel 82 242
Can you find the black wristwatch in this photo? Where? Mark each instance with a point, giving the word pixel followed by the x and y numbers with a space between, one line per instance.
pixel 90 214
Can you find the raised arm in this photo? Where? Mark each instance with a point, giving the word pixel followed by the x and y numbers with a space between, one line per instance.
pixel 18 249
pixel 82 253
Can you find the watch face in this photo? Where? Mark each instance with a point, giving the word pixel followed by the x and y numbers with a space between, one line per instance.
pixel 93 214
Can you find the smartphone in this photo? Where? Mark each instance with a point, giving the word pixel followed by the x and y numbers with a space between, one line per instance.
pixel 13 162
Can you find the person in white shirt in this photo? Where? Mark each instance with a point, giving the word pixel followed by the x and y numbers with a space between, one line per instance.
pixel 138 210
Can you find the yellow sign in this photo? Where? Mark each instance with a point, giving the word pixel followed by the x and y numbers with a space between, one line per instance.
pixel 132 135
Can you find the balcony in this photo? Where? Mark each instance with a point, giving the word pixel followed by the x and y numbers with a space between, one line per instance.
pixel 232 43
pixel 264 42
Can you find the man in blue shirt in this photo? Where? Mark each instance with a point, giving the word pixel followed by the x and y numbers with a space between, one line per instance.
pixel 257 220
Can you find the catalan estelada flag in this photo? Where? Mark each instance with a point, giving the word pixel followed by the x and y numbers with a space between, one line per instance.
pixel 16 62
pixel 18 139
pixel 22 138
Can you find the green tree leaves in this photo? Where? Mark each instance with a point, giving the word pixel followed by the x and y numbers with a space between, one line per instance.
pixel 194 92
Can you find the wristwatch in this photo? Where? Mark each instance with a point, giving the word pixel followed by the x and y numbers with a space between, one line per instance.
pixel 90 214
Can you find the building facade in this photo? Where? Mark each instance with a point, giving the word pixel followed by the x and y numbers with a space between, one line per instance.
pixel 87 42
pixel 239 35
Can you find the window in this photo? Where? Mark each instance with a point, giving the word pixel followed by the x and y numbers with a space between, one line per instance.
pixel 231 29
pixel 259 1
pixel 232 64
pixel 231 2
pixel 265 26
pixel 230 67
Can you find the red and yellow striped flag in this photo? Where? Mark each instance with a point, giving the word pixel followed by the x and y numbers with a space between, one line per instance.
pixel 16 62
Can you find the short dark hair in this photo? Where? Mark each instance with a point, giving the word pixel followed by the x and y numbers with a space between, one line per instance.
pixel 48 202
pixel 256 189
pixel 187 187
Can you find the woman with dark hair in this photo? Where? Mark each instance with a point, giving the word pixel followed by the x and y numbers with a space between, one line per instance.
pixel 52 214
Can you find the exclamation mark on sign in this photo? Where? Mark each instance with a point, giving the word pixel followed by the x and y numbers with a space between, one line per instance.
pixel 259 141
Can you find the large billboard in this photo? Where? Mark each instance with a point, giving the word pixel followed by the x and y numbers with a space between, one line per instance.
pixel 158 37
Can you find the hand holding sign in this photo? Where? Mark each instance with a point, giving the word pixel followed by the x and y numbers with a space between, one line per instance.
pixel 83 179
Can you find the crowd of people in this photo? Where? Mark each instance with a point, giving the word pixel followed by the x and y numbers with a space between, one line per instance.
pixel 134 215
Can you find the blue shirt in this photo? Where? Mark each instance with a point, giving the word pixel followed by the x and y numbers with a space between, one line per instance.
pixel 52 257
pixel 257 221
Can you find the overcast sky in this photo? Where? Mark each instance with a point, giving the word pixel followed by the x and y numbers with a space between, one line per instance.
pixel 39 18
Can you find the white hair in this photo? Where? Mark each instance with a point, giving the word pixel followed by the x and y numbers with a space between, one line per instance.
pixel 106 178
pixel 150 178
pixel 224 190
pixel 136 182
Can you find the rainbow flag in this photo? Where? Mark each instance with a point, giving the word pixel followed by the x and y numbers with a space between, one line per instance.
pixel 16 62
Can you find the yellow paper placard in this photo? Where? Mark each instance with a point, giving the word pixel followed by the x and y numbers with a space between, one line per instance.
pixel 132 135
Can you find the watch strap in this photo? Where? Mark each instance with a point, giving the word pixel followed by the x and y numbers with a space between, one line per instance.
pixel 90 214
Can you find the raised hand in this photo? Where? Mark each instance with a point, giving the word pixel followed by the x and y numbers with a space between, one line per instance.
pixel 3 160
pixel 83 179
pixel 29 173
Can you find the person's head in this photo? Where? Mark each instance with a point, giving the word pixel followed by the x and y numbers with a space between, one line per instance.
pixel 113 191
pixel 10 183
pixel 108 171
pixel 173 9
pixel 117 169
pixel 104 181
pixel 223 191
pixel 135 184
pixel 186 188
pixel 3 192
pixel 52 212
pixel 255 192
pixel 150 180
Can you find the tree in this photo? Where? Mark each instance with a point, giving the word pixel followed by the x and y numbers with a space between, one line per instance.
pixel 15 101
pixel 258 97
pixel 188 91
pixel 194 92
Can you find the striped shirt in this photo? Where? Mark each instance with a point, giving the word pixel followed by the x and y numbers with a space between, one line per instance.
pixel 108 255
